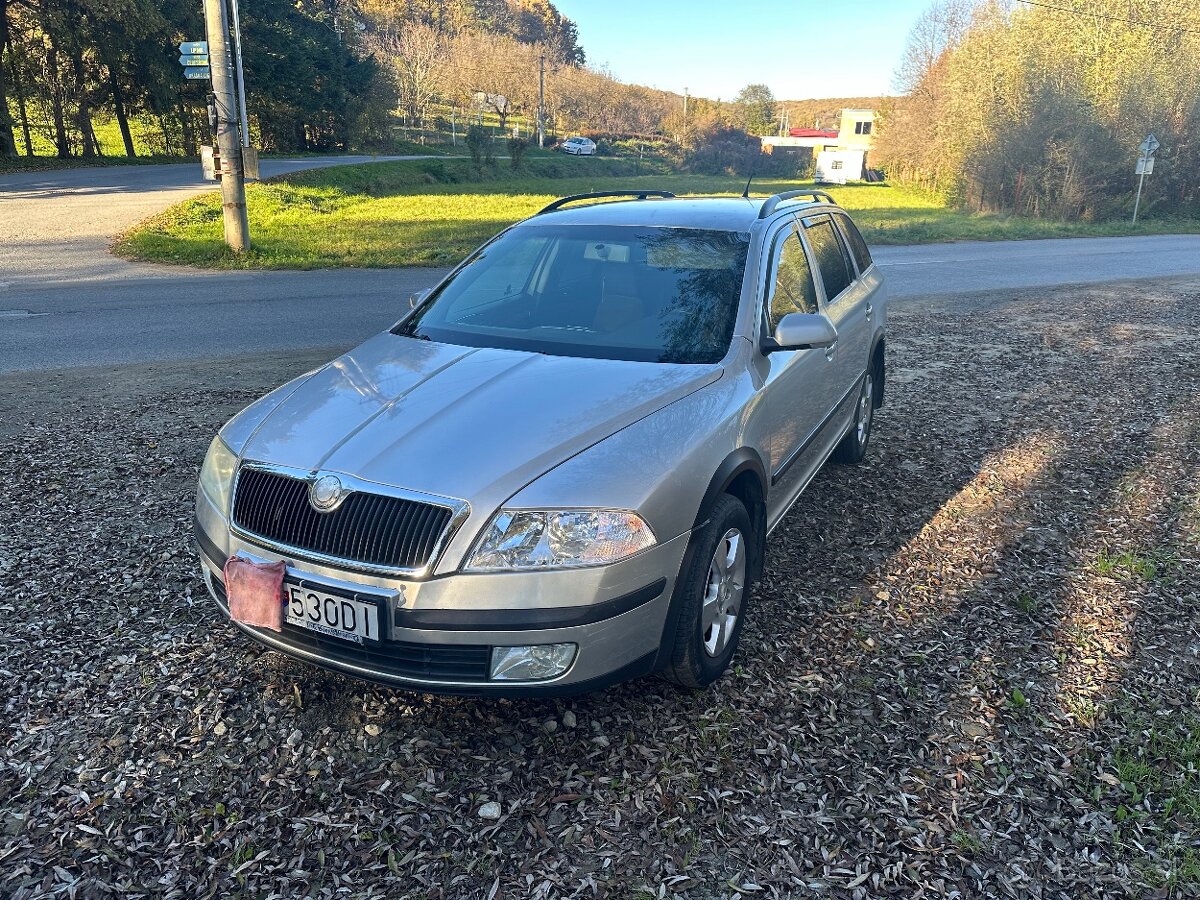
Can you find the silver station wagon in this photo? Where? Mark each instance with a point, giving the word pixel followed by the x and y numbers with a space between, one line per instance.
pixel 559 470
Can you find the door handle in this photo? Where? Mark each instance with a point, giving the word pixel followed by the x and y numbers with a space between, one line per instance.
pixel 829 351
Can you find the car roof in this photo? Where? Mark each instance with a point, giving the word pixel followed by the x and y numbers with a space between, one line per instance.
pixel 713 213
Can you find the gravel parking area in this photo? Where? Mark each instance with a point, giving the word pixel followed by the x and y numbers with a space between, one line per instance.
pixel 972 667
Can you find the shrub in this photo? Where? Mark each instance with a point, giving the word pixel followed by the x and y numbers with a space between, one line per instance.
pixel 516 151
pixel 723 150
pixel 478 144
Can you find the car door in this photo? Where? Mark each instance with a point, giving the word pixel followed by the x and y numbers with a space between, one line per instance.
pixel 845 304
pixel 870 281
pixel 800 385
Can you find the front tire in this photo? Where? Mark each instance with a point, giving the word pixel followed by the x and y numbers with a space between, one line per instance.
pixel 713 594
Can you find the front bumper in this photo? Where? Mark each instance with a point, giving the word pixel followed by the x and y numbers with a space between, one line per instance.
pixel 440 632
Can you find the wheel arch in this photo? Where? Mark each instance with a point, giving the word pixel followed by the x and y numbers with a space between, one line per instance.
pixel 741 475
pixel 878 355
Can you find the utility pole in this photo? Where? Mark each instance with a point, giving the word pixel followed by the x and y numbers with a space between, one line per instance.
pixel 241 78
pixel 233 181
pixel 541 123
pixel 685 99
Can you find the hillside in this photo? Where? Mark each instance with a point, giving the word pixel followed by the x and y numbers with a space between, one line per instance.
pixel 825 112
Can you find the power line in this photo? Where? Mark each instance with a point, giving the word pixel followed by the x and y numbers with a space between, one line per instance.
pixel 1082 12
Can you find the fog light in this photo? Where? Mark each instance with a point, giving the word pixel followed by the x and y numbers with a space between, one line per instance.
pixel 532 663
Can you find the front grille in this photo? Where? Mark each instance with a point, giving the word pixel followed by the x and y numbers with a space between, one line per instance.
pixel 435 662
pixel 373 529
pixel 402 659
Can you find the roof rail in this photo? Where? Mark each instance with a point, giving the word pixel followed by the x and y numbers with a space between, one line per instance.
pixel 593 195
pixel 772 202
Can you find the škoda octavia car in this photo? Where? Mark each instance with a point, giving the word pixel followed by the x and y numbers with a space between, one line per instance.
pixel 560 468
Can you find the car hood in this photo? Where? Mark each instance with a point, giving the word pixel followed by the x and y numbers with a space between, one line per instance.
pixel 474 424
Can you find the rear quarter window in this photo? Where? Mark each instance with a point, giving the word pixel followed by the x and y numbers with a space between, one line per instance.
pixel 854 238
pixel 831 256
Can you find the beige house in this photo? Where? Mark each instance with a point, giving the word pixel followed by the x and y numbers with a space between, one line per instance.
pixel 857 130
pixel 848 160
pixel 838 156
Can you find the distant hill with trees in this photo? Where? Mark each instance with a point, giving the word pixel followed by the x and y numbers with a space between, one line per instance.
pixel 825 112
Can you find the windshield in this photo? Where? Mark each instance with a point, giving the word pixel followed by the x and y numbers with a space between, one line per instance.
pixel 607 292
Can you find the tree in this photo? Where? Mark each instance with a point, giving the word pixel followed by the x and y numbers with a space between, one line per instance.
pixel 1038 109
pixel 8 143
pixel 757 106
pixel 939 28
pixel 496 71
pixel 420 61
pixel 320 74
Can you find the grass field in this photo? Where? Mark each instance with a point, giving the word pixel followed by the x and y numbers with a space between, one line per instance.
pixel 434 212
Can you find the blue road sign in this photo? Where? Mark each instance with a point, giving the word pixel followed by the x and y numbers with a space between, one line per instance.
pixel 196 73
pixel 193 60
pixel 194 48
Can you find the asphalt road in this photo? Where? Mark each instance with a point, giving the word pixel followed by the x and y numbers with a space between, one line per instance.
pixel 64 301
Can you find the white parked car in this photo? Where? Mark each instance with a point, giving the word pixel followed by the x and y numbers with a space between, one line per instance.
pixel 579 146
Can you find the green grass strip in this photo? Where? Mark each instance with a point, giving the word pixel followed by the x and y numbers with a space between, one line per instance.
pixel 433 212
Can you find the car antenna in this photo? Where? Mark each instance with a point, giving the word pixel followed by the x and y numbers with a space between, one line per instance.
pixel 746 192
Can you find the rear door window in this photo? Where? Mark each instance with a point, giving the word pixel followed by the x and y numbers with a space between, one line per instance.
pixel 854 238
pixel 831 256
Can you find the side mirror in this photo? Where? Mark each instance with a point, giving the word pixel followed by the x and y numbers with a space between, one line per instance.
pixel 415 298
pixel 800 331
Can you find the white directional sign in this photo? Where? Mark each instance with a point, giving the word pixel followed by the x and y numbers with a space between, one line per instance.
pixel 193 56
pixel 1145 165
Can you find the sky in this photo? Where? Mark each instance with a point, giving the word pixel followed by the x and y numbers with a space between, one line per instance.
pixel 714 48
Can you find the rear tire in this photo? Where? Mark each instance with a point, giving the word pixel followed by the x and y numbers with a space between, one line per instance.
pixel 853 447
pixel 714 594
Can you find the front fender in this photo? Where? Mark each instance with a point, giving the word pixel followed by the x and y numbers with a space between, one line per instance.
pixel 661 466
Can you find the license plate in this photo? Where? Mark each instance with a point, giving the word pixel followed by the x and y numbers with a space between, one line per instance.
pixel 331 615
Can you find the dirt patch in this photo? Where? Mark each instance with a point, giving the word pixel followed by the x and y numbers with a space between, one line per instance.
pixel 970 669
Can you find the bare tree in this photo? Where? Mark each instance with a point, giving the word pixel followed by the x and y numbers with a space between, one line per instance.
pixel 940 28
pixel 421 59
pixel 499 71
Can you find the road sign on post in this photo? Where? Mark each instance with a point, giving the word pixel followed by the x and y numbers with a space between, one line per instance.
pixel 193 56
pixel 1145 165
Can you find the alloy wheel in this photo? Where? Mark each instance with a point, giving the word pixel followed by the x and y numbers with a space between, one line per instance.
pixel 865 409
pixel 723 592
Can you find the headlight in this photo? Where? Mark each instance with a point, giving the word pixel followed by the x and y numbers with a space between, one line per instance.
pixel 559 539
pixel 216 475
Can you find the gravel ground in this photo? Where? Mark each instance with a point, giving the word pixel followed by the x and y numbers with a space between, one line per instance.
pixel 971 669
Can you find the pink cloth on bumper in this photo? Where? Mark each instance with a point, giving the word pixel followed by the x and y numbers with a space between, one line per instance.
pixel 255 592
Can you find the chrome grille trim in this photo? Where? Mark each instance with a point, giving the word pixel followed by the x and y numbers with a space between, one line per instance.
pixel 410 530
